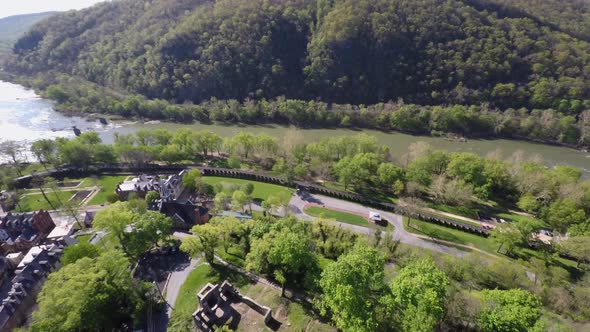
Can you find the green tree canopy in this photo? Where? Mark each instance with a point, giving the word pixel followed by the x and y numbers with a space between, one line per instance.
pixel 78 251
pixel 90 294
pixel 563 213
pixel 418 296
pixel 514 310
pixel 189 179
pixel 204 240
pixel 507 236
pixel 288 254
pixel 352 287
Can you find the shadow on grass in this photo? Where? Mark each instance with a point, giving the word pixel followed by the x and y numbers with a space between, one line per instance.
pixel 437 234
pixel 221 273
pixel 575 272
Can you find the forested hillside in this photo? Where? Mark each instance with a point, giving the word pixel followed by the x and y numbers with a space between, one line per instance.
pixel 13 27
pixel 502 54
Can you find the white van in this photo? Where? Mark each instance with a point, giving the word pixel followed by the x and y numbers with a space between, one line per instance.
pixel 374 216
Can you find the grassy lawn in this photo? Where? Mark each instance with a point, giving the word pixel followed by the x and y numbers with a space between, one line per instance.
pixel 344 217
pixel 84 238
pixel 235 255
pixel 36 202
pixel 516 217
pixel 449 234
pixel 107 185
pixel 261 190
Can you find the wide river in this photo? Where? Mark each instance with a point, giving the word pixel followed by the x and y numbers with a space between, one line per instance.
pixel 26 117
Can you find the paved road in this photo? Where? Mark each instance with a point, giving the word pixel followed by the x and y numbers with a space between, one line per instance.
pixel 177 278
pixel 299 201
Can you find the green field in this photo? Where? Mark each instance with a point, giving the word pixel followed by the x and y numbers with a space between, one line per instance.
pixel 344 217
pixel 36 202
pixel 107 185
pixel 450 234
pixel 261 190
pixel 235 254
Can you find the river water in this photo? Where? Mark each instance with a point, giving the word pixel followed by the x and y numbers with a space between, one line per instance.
pixel 26 117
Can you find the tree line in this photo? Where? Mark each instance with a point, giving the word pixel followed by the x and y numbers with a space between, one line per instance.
pixel 558 196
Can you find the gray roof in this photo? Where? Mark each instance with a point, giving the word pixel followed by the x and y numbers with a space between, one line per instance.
pixel 25 280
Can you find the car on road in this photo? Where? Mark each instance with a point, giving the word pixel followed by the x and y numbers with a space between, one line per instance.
pixel 375 217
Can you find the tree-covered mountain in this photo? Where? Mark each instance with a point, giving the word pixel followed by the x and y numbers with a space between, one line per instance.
pixel 13 27
pixel 499 53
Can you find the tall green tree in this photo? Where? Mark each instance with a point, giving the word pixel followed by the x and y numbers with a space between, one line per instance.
pixel 90 294
pixel 150 229
pixel 115 219
pixel 291 257
pixel 189 179
pixel 578 247
pixel 563 213
pixel 44 151
pixel 352 288
pixel 357 170
pixel 507 236
pixel 78 251
pixel 418 296
pixel 204 240
pixel 514 310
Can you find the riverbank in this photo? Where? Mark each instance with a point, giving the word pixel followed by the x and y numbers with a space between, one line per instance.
pixel 74 94
pixel 26 117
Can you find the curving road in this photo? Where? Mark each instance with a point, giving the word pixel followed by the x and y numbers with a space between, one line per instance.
pixel 302 198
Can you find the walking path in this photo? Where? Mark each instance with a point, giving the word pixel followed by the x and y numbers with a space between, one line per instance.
pixel 175 281
pixel 453 216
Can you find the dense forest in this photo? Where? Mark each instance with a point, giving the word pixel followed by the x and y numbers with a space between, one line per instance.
pixel 496 54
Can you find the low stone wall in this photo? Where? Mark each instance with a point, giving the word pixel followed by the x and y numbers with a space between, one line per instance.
pixel 263 310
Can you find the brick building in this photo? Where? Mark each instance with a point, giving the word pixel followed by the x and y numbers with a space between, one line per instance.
pixel 21 231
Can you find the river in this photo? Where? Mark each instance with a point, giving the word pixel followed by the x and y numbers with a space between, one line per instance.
pixel 26 117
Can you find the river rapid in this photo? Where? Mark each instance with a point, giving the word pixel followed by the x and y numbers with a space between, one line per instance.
pixel 25 117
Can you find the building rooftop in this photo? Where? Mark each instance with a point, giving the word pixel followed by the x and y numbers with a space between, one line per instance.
pixel 61 231
pixel 30 256
pixel 26 278
pixel 140 183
